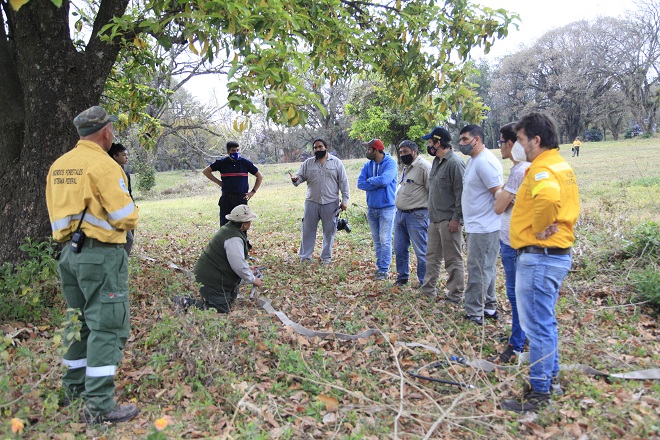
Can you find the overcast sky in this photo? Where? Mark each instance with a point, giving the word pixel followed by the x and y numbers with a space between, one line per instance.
pixel 538 17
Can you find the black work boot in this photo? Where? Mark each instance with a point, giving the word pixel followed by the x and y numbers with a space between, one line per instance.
pixel 69 393
pixel 555 387
pixel 121 413
pixel 531 402
pixel 508 356
pixel 183 303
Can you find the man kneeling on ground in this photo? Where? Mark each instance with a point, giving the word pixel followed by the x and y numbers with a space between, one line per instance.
pixel 223 264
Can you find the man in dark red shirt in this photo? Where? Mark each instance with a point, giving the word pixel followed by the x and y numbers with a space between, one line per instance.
pixel 233 180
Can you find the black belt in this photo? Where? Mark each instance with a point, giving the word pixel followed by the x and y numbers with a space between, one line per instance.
pixel 544 251
pixel 410 211
pixel 234 196
pixel 92 243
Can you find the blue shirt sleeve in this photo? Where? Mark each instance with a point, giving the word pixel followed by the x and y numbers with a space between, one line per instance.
pixel 387 176
pixel 251 168
pixel 215 166
pixel 362 182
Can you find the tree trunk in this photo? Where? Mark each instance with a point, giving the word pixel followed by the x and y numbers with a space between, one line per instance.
pixel 55 83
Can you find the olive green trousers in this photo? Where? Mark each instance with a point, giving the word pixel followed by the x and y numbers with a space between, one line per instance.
pixel 95 281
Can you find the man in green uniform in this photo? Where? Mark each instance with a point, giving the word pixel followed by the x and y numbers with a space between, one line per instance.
pixel 90 211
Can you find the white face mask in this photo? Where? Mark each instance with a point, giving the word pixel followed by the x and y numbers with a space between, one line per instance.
pixel 518 152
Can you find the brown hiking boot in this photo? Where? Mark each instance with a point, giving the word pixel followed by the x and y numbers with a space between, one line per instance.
pixel 121 413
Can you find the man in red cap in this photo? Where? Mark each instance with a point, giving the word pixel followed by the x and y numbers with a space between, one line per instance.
pixel 378 179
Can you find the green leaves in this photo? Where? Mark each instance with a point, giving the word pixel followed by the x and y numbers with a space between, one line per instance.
pixel 17 4
pixel 273 44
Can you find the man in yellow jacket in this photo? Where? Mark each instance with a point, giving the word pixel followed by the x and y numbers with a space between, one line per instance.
pixel 90 211
pixel 546 210
pixel 576 147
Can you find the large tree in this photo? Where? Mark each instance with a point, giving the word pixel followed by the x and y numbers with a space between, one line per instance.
pixel 47 77
pixel 630 50
pixel 561 74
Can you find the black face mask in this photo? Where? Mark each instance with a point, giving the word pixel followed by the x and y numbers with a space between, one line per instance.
pixel 407 159
pixel 320 154
pixel 431 150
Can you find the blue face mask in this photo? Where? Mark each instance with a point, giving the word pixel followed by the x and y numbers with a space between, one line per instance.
pixel 235 156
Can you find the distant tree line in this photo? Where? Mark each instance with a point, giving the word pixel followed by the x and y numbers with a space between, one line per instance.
pixel 594 77
pixel 598 78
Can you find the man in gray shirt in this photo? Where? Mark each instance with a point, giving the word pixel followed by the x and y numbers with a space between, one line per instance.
pixel 326 178
pixel 483 178
pixel 445 238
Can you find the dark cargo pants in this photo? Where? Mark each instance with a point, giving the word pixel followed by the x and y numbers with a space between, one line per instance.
pixel 219 300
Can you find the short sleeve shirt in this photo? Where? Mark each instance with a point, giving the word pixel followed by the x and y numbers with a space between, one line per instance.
pixel 413 190
pixel 234 174
pixel 482 173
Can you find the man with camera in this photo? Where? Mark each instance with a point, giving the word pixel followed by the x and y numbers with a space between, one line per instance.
pixel 378 179
pixel 91 210
pixel 326 178
pixel 411 221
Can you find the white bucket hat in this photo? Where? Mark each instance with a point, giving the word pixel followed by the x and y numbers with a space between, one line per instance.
pixel 242 213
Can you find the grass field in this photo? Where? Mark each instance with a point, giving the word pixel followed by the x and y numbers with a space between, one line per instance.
pixel 246 375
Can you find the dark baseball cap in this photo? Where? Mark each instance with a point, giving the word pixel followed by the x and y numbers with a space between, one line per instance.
pixel 438 133
pixel 92 120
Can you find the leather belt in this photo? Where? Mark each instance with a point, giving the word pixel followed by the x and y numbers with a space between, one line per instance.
pixel 544 251
pixel 409 211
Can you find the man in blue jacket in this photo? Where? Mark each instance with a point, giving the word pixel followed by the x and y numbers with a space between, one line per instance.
pixel 378 179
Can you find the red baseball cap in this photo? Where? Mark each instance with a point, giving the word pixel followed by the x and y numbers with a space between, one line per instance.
pixel 376 144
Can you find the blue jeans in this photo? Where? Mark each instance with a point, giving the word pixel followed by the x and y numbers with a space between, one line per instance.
pixel 410 228
pixel 381 223
pixel 538 279
pixel 509 257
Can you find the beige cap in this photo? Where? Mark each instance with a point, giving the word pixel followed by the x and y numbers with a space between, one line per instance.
pixel 242 213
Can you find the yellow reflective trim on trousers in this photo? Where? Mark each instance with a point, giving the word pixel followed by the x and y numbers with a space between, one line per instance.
pixel 544 184
pixel 561 166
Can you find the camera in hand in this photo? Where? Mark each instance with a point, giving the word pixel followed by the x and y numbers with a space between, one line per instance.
pixel 342 224
pixel 77 241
